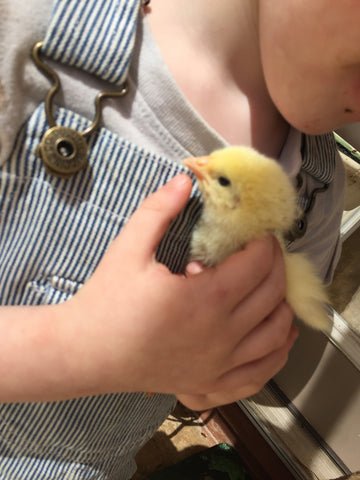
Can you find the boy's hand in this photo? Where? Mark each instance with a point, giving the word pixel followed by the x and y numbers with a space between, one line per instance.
pixel 215 337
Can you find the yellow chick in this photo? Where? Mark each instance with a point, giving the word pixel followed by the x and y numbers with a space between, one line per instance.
pixel 245 196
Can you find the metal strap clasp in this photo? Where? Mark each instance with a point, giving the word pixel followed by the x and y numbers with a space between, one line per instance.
pixel 63 150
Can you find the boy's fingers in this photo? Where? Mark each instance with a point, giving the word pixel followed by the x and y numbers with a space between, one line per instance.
pixel 241 273
pixel 150 221
pixel 193 268
pixel 267 295
pixel 241 382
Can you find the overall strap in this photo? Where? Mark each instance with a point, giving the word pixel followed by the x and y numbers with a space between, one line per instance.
pixel 95 36
pixel 319 156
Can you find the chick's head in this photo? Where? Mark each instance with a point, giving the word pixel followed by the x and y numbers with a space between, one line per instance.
pixel 245 189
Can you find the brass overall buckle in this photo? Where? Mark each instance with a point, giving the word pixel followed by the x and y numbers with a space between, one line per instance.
pixel 63 150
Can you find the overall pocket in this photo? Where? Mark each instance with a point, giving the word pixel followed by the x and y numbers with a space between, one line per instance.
pixel 54 231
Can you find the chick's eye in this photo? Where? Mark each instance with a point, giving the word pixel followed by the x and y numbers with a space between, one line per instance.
pixel 224 182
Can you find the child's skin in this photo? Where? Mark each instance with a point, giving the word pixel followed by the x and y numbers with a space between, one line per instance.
pixel 220 335
pixel 321 90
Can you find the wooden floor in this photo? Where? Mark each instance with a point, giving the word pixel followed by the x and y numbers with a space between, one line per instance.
pixel 186 433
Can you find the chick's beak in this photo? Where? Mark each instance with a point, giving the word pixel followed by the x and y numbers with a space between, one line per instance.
pixel 197 166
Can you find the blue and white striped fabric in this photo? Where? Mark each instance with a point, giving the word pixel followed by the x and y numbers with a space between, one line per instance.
pixel 92 438
pixel 53 234
pixel 56 231
pixel 319 156
pixel 97 37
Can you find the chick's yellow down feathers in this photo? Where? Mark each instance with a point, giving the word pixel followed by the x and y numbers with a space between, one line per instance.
pixel 247 195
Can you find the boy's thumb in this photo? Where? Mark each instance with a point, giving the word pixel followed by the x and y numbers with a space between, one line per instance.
pixel 150 221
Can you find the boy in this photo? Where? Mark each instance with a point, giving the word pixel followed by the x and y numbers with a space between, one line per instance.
pixel 133 326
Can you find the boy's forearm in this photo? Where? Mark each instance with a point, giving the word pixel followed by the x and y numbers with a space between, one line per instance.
pixel 41 357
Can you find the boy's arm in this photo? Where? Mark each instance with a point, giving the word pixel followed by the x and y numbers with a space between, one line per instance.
pixel 134 326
